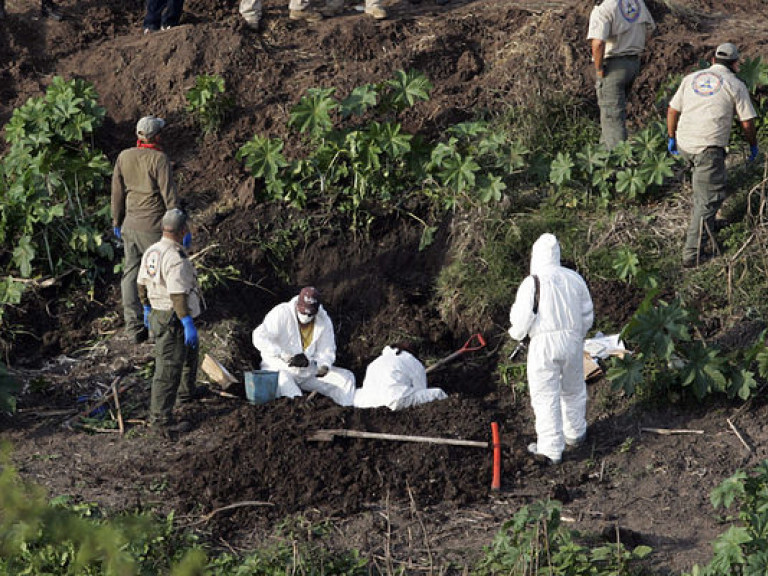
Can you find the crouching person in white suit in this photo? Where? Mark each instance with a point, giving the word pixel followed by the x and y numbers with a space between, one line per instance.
pixel 296 339
pixel 397 380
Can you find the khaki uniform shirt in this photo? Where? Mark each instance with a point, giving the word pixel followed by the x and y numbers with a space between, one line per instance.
pixel 707 100
pixel 165 270
pixel 142 189
pixel 622 25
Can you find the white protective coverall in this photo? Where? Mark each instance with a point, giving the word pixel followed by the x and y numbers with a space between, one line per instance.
pixel 278 339
pixel 555 354
pixel 397 380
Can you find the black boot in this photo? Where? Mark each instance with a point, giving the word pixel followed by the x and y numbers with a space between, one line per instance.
pixel 50 10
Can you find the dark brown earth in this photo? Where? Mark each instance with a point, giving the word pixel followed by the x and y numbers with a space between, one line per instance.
pixel 425 508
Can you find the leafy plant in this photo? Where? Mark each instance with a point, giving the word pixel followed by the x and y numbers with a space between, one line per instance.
pixel 50 182
pixel 536 542
pixel 9 387
pixel 741 548
pixel 667 359
pixel 208 102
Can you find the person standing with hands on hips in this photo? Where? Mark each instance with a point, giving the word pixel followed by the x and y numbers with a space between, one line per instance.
pixel 172 300
pixel 617 32
pixel 699 120
pixel 142 191
pixel 554 308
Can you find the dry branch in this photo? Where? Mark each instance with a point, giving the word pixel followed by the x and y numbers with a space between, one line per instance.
pixel 671 431
pixel 738 434
pixel 242 504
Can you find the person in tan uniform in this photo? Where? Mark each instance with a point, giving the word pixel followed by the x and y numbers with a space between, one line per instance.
pixel 699 120
pixel 304 9
pixel 171 299
pixel 142 191
pixel 617 35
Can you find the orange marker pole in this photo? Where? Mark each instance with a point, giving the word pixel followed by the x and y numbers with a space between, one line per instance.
pixel 496 482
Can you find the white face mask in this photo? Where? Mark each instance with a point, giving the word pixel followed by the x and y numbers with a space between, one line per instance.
pixel 305 318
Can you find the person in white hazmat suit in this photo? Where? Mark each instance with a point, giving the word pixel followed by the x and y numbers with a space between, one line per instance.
pixel 397 380
pixel 296 339
pixel 555 355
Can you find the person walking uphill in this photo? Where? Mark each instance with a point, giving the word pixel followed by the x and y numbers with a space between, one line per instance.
pixel 142 191
pixel 172 300
pixel 554 308
pixel 617 33
pixel 296 339
pixel 699 120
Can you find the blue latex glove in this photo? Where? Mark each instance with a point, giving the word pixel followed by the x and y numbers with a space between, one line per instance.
pixel 187 241
pixel 118 234
pixel 147 310
pixel 752 153
pixel 190 332
pixel 672 146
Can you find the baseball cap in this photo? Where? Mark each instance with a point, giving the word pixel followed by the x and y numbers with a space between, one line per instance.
pixel 174 220
pixel 309 301
pixel 727 51
pixel 149 126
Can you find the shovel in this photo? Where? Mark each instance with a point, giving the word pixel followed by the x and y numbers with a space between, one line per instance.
pixel 475 342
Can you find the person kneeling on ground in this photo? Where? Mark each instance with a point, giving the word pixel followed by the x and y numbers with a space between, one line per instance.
pixel 172 299
pixel 397 380
pixel 296 339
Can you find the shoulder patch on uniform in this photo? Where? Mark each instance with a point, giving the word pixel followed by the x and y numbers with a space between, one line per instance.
pixel 153 257
pixel 182 254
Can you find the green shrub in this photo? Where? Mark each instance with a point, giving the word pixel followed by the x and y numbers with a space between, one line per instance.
pixel 535 542
pixel 208 102
pixel 742 548
pixel 51 189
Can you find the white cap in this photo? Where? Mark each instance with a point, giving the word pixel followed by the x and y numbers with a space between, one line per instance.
pixel 727 51
pixel 149 126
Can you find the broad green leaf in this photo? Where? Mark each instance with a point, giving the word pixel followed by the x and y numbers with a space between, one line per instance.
pixel 560 170
pixel 703 370
pixel 313 112
pixel 468 130
pixel 263 157
pixel 390 139
pixel 626 263
pixel 626 373
pixel 459 172
pixel 491 188
pixel 727 549
pixel 359 101
pixel 728 491
pixel 630 183
pixel 23 255
pixel 656 329
pixel 407 88
pixel 656 168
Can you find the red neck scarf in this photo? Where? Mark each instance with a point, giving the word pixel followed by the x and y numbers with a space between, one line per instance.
pixel 142 144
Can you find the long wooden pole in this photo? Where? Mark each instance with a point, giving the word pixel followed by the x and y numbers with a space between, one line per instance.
pixel 328 434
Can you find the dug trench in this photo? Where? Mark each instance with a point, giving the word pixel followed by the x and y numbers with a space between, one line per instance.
pixel 422 506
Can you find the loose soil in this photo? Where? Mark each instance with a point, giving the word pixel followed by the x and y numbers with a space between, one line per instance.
pixel 421 507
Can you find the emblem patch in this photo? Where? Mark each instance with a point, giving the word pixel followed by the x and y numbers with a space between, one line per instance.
pixel 706 84
pixel 153 259
pixel 630 10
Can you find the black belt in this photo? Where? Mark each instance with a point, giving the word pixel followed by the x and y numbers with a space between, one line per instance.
pixel 627 57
